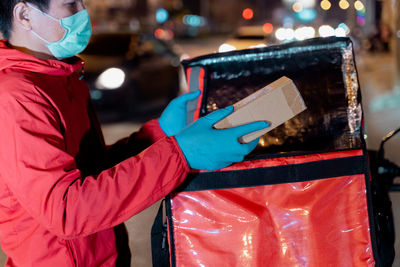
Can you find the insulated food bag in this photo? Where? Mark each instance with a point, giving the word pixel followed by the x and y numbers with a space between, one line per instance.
pixel 303 196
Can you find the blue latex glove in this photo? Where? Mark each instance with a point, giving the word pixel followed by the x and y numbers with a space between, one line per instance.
pixel 206 148
pixel 173 118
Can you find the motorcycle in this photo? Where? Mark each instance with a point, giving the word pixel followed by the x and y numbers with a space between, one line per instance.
pixel 383 180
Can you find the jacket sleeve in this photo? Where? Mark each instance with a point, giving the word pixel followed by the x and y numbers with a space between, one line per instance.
pixel 148 134
pixel 46 182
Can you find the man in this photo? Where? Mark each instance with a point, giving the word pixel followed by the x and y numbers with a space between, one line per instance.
pixel 62 191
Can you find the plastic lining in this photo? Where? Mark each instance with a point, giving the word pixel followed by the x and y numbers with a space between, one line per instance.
pixel 333 120
pixel 317 223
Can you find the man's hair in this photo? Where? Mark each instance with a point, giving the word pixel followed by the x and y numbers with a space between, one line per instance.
pixel 6 13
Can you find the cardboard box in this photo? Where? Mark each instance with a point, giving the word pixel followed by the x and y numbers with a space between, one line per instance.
pixel 276 103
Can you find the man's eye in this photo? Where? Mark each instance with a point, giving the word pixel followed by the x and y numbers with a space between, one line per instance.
pixel 72 6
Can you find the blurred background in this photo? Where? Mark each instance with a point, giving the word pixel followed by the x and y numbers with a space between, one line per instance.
pixel 133 61
pixel 137 40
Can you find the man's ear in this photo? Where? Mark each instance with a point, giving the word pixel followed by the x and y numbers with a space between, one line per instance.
pixel 22 16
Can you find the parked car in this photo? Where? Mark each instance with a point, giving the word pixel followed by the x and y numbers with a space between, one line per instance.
pixel 247 37
pixel 130 73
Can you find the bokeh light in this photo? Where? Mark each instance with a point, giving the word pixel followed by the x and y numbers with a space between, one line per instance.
pixel 248 13
pixel 361 17
pixel 307 3
pixel 268 28
pixel 345 28
pixel 297 7
pixel 111 78
pixel 163 34
pixel 284 34
pixel 288 22
pixel 358 5
pixel 161 15
pixel 289 34
pixel 159 33
pixel 307 15
pixel 303 33
pixel 326 31
pixel 340 32
pixel 325 4
pixel 194 20
pixel 280 34
pixel 344 4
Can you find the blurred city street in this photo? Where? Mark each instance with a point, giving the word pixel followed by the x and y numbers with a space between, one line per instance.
pixel 381 112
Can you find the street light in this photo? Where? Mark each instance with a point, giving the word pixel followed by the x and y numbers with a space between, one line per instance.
pixel 284 34
pixel 358 5
pixel 345 28
pixel 306 15
pixel 340 32
pixel 326 31
pixel 325 4
pixel 248 13
pixel 297 7
pixel 161 15
pixel 344 4
pixel 268 28
pixel 289 34
pixel 280 34
pixel 361 17
pixel 303 33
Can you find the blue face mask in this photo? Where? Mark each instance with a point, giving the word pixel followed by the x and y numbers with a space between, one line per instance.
pixel 77 34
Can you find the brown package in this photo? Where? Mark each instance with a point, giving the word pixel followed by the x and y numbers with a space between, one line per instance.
pixel 276 103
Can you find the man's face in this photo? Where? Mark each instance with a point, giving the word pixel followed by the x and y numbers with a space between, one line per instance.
pixel 48 28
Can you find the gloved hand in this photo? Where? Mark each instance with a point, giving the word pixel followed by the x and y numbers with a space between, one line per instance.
pixel 206 148
pixel 173 119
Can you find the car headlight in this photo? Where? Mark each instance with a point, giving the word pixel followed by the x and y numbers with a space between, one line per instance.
pixel 226 48
pixel 111 78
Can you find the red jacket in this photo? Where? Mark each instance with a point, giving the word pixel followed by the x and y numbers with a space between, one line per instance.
pixel 60 197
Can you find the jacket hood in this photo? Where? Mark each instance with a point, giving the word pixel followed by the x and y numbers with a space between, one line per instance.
pixel 11 58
